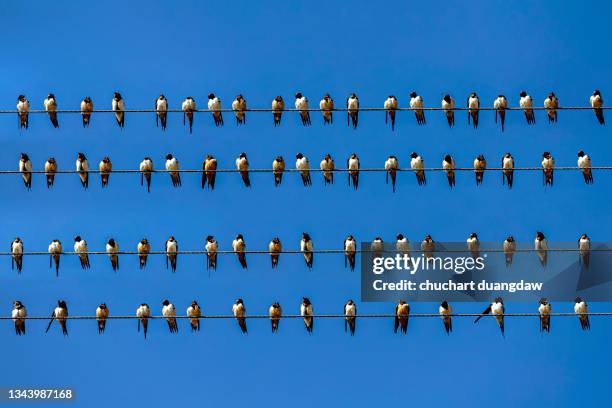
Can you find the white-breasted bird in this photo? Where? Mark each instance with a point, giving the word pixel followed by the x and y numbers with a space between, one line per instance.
pixel 171 253
pixel 509 247
pixel 498 310
pixel 275 312
pixel 50 170
pixel 146 169
pixel 23 110
pixel 169 313
pixel 214 105
pixel 551 103
pixel 448 106
pixel 377 247
pixel 87 107
pixel 17 254
pixel 143 248
pixel 278 106
pixel 55 250
pixel 242 165
pixel 278 167
pixel 473 104
pixel 239 312
pixel 428 246
pixel 582 309
pixel 402 245
pixel 584 249
pixel 548 167
pixel 350 316
pixel 584 162
pixel 390 107
pixel 416 103
pixel 189 107
pixel 350 250
pixel 239 246
pixel 526 103
pixel 417 164
pixel 25 168
pixel 352 110
pixel 597 104
pixel 101 317
pixel 302 164
pixel 445 310
pixel 112 250
pixel 328 166
pixel 508 169
pixel 480 165
pixel 194 312
pixel 210 171
pixel 172 165
pixel 327 107
pixel 353 170
pixel 161 111
pixel 473 245
pixel 275 247
pixel 540 244
pixel 105 166
pixel 500 104
pixel 307 312
pixel 306 247
pixel 391 166
pixel 118 107
pixel 50 105
pixel 82 167
pixel 448 164
pixel 211 246
pixel 18 314
pixel 301 104
pixel 80 247
pixel 402 314
pixel 60 313
pixel 143 313
pixel 544 311
pixel 239 106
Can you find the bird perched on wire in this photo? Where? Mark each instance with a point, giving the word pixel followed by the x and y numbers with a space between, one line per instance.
pixel 278 106
pixel 143 250
pixel 278 167
pixel 55 250
pixel 80 247
pixel 17 254
pixel 445 310
pixel 301 104
pixel 526 103
pixel 417 164
pixel 19 314
pixel 210 172
pixel 473 104
pixel 239 107
pixel 448 106
pixel 302 164
pixel 428 246
pixel 242 165
pixel 496 309
pixel 194 312
pixel 118 106
pixel 548 166
pixel 169 313
pixel 582 309
pixel 350 319
pixel 23 110
pixel 239 312
pixel 143 313
pixel 25 168
pixel 328 166
pixel 402 245
pixel 377 247
pixel 112 249
pixel 448 164
pixel 544 311
pixel 350 250
pixel 306 311
pixel 508 169
pixel 353 170
pixel 306 247
pixel 211 246
pixel 584 163
pixel 50 170
pixel 239 247
pixel 402 314
pixel 101 317
pixel 105 166
pixel 597 104
pixel 189 107
pixel 391 166
pixel 172 166
pixel 60 313
pixel 161 111
pixel 275 247
pixel 275 313
pixel 473 245
pixel 171 253
pixel 480 165
pixel 87 108
pixel 82 167
pixel 327 107
pixel 416 103
pixel 50 105
pixel 584 249
pixel 540 244
pixel 352 110
pixel 390 107
pixel 146 168
pixel 214 105
pixel 500 105
pixel 509 247
pixel 551 103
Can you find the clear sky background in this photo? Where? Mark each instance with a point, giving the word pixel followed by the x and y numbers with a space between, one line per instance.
pixel 142 49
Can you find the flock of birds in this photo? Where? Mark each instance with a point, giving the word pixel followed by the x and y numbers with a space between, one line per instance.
pixel 326 106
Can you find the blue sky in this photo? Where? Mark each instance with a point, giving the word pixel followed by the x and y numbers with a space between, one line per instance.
pixel 144 48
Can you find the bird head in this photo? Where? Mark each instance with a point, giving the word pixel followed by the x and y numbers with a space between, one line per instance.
pixel 169 156
pixel 166 302
pixel 400 237
pixel 523 94
pixel 581 153
pixel 413 94
pixel 77 238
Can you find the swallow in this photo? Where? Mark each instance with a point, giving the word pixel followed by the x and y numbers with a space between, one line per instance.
pixel 106 166
pixel 194 312
pixel 211 252
pixel 302 164
pixel 306 247
pixel 25 168
pixel 417 164
pixel 146 168
pixel 214 105
pixel 350 319
pixel 497 309
pixel 427 246
pixel 448 106
pixel 87 108
pixel 242 165
pixel 328 166
pixel 353 170
pixel 239 312
pixel 582 309
pixel 597 104
pixel 500 104
pixel 80 247
pixel 278 167
pixel 275 247
pixel 188 107
pixel 473 245
pixel 327 107
pixel 143 313
pixel 55 250
pixel 551 103
pixel 169 313
pixel 50 170
pixel 239 107
pixel 23 110
pixel 161 111
pixel 171 253
pixel 350 250
pixel 301 104
pixel 584 163
pixel 143 250
pixel 118 107
pixel 416 104
pixel 402 314
pixel 445 310
pixel 275 313
pixel 51 106
pixel 306 312
pixel 101 316
pixel 390 107
pixel 112 249
pixel 239 247
pixel 19 314
pixel 17 254
pixel 377 247
pixel 448 164
pixel 540 244
pixel 548 166
pixel 509 246
pixel 172 165
pixel 278 106
pixel 526 103
pixel 352 110
pixel 402 245
pixel 544 310
pixel 473 104
pixel 508 169
pixel 82 167
pixel 210 171
pixel 60 313
pixel 584 249
pixel 480 164
pixel 391 166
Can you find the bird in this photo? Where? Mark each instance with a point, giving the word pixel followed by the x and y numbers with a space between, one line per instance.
pixel 172 166
pixel 239 107
pixel 278 106
pixel 390 107
pixel 278 167
pixel 391 166
pixel 19 315
pixel 275 313
pixel 597 104
pixel 55 250
pixel 214 105
pixel 211 246
pixel 402 313
pixel 497 309
pixel 189 107
pixel 353 170
pixel 239 247
pixel 551 103
pixel 480 164
pixel 427 246
pixel 473 104
pixel 584 249
pixel 143 313
pixel 509 246
pixel 416 103
pixel 51 106
pixel 582 309
pixel 327 107
pixel 194 312
pixel 548 166
pixel 526 103
pixel 82 167
pixel 301 104
pixel 306 312
pixel 118 106
pixel 210 171
pixel 275 247
pixel 402 245
pixel 161 111
pixel 544 311
pixel 17 254
pixel 242 165
pixel 143 250
pixel 302 164
pixel 23 110
pixel 328 166
pixel 50 170
pixel 239 312
pixel 106 166
pixel 540 244
pixel 146 168
pixel 306 247
pixel 500 105
pixel 417 164
pixel 169 313
pixel 25 168
pixel 508 169
pixel 101 316
pixel 80 247
pixel 350 319
pixel 473 245
pixel 352 110
pixel 112 249
pixel 448 106
pixel 171 253
pixel 584 163
pixel 445 310
pixel 87 108
pixel 350 250
pixel 448 164
pixel 377 247
pixel 60 313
